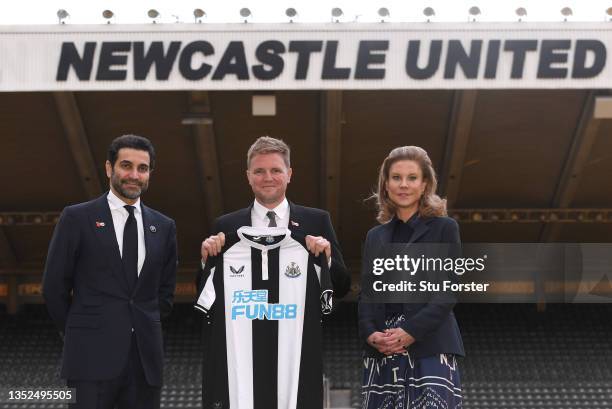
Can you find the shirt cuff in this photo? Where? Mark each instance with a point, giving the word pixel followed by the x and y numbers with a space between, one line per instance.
pixel 329 263
pixel 203 264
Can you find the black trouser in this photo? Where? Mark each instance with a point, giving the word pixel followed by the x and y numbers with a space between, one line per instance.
pixel 129 390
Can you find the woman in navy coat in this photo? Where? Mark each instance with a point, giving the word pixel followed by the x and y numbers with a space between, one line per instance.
pixel 410 349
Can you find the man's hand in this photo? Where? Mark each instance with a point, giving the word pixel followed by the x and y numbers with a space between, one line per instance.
pixel 317 245
pixel 212 246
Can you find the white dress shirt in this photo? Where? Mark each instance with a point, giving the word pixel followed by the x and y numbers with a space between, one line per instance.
pixel 120 216
pixel 259 214
pixel 259 218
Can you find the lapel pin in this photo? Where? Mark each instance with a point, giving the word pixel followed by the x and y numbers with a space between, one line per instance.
pixel 153 229
pixel 296 224
pixel 100 224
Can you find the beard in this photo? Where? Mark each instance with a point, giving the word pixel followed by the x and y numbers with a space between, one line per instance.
pixel 131 193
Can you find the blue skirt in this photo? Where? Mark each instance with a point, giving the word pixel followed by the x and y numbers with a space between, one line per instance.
pixel 402 382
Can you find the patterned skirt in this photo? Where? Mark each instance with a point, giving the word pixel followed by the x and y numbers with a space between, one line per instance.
pixel 402 382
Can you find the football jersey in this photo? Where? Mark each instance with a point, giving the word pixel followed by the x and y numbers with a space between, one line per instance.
pixel 263 298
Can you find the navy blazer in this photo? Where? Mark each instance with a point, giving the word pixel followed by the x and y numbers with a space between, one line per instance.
pixel 432 324
pixel 303 220
pixel 87 293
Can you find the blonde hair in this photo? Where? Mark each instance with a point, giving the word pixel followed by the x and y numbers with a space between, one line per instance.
pixel 430 204
pixel 266 144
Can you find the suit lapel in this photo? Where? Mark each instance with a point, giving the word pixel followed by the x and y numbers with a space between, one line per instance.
pixel 102 224
pixel 295 218
pixel 245 216
pixel 387 232
pixel 420 228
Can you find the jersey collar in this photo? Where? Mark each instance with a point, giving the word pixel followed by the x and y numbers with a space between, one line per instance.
pixel 264 231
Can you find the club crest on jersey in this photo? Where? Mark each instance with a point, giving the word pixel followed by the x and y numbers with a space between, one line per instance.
pixel 236 273
pixel 293 270
pixel 268 239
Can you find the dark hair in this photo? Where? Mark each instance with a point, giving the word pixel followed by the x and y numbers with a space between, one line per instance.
pixel 134 142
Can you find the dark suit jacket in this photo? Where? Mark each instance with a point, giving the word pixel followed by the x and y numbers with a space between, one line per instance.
pixel 432 324
pixel 303 220
pixel 87 293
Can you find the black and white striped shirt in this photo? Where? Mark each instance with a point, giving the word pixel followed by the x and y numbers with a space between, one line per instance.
pixel 263 298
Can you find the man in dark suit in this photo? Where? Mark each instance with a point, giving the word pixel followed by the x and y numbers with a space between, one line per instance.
pixel 109 279
pixel 269 172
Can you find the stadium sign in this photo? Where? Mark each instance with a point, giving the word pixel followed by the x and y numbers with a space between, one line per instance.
pixel 292 56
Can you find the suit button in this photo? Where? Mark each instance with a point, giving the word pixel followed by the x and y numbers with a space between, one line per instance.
pixel 131 301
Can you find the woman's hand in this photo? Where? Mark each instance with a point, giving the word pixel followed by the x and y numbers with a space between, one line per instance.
pixel 377 341
pixel 392 341
pixel 397 341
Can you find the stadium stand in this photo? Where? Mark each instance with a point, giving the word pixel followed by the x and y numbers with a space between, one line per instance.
pixel 518 358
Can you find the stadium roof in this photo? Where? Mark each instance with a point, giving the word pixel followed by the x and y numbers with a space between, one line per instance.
pixel 510 161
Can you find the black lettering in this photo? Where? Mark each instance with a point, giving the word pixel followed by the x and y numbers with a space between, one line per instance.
pixel 365 57
pixel 154 55
pixel 108 58
pixel 519 49
pixel 233 61
pixel 492 59
pixel 304 49
pixel 580 70
pixel 268 53
pixel 548 57
pixel 186 57
pixel 457 56
pixel 69 57
pixel 330 71
pixel 412 58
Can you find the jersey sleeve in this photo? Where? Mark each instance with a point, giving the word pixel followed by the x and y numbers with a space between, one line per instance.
pixel 327 289
pixel 321 267
pixel 207 295
pixel 213 267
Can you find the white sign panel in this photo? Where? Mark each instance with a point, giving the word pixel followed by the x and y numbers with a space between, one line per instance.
pixel 302 56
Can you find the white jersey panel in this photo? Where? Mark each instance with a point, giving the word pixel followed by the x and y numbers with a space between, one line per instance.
pixel 239 334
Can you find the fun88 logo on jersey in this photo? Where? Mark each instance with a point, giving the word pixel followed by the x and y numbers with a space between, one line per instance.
pixel 253 305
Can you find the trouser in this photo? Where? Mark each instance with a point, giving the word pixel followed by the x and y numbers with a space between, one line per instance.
pixel 129 390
